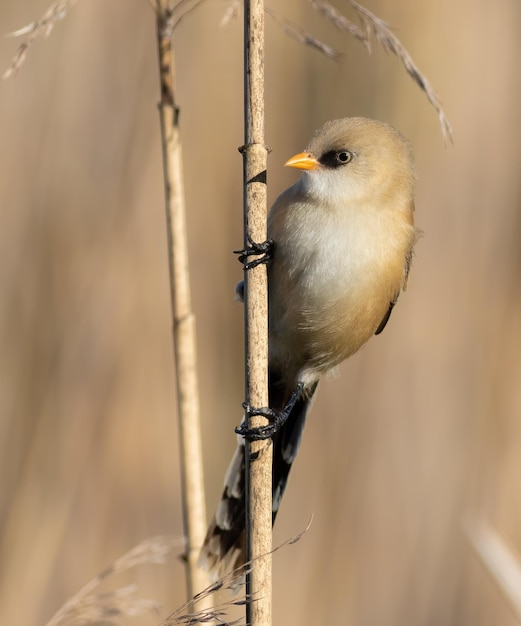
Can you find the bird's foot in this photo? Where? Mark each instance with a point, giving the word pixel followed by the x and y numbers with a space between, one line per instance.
pixel 276 419
pixel 263 250
pixel 260 432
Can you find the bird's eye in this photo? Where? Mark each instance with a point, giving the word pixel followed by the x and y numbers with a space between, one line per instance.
pixel 336 158
pixel 344 156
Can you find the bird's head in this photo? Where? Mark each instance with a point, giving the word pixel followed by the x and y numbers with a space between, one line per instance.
pixel 356 158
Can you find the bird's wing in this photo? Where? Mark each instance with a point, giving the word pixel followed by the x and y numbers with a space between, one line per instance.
pixel 386 317
pixel 406 268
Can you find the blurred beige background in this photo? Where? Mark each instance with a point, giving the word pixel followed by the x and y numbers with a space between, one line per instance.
pixel 419 429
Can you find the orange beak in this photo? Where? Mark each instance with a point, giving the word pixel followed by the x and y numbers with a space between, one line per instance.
pixel 303 161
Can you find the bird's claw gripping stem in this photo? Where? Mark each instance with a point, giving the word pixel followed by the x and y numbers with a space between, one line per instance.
pixel 277 419
pixel 263 250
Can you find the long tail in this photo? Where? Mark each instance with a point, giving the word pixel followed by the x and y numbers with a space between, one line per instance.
pixel 224 546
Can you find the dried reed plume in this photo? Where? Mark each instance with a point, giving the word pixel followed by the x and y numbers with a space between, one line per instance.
pixel 106 609
pixel 86 607
pixel 42 27
pixel 36 30
pixel 373 25
pixel 234 582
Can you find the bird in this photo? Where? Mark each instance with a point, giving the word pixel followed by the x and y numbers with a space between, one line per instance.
pixel 341 244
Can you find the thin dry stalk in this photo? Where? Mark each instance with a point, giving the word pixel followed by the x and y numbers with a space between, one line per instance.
pixel 341 22
pixel 231 12
pixel 190 613
pixel 499 559
pixel 259 453
pixel 168 17
pixel 300 35
pixel 184 321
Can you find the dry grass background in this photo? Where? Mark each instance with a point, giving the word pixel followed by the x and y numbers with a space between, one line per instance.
pixel 421 427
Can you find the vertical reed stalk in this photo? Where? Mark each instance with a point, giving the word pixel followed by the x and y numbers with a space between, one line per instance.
pixel 259 453
pixel 194 515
